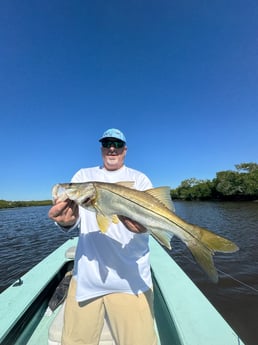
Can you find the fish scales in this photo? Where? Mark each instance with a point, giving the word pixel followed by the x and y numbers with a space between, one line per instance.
pixel 153 209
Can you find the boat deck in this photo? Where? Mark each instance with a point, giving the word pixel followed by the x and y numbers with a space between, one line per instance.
pixel 183 314
pixel 40 334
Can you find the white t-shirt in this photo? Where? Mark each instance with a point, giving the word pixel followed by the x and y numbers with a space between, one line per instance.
pixel 117 261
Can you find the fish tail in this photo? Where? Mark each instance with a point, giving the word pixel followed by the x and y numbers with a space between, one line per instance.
pixel 204 245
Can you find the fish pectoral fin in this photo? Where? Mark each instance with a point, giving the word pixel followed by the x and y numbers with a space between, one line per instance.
pixel 128 184
pixel 103 222
pixel 163 237
pixel 162 194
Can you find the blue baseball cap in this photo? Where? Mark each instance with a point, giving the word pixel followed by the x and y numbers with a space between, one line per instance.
pixel 113 133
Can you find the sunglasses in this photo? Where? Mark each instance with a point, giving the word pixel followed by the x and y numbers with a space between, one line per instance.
pixel 109 143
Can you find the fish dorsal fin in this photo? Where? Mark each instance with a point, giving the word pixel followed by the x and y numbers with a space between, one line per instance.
pixel 128 184
pixel 162 194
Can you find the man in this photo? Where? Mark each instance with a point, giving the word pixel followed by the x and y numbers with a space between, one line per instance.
pixel 112 275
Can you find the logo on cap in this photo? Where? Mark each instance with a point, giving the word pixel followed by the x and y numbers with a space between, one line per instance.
pixel 113 133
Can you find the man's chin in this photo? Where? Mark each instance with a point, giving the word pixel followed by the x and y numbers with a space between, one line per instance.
pixel 112 161
pixel 112 164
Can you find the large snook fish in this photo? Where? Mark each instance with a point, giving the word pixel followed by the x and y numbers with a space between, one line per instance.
pixel 151 208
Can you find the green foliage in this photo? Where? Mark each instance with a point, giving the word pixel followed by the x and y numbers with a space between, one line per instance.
pixel 247 167
pixel 228 185
pixel 241 184
pixel 12 204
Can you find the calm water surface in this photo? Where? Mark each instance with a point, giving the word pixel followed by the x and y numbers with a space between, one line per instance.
pixel 27 236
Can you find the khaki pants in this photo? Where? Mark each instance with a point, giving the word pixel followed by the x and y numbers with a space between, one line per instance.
pixel 130 317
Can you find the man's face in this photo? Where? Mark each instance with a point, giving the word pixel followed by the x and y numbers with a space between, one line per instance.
pixel 113 153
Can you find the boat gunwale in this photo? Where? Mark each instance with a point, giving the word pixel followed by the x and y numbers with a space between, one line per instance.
pixel 16 301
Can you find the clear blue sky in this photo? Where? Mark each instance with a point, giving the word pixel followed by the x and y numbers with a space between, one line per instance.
pixel 180 78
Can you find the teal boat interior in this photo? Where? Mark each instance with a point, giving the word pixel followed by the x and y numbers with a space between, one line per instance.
pixel 183 315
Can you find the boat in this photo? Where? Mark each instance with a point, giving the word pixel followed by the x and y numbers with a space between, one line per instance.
pixel 183 315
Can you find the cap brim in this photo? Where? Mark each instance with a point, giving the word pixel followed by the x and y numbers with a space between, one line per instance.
pixel 107 138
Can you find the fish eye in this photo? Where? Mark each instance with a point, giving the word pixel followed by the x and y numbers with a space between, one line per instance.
pixel 86 202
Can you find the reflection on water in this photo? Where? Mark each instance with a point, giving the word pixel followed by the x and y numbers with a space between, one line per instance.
pixel 27 236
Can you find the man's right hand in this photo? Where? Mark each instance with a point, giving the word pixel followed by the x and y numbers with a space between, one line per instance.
pixel 65 213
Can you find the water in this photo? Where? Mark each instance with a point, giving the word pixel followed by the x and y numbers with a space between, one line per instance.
pixel 236 294
pixel 27 236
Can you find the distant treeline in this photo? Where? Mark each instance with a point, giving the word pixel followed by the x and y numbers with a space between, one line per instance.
pixel 241 184
pixel 12 204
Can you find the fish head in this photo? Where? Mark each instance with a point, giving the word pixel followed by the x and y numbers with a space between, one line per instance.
pixel 83 194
